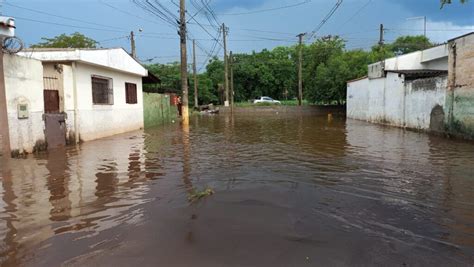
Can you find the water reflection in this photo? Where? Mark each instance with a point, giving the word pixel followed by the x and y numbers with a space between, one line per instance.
pixel 9 246
pixel 290 181
pixel 58 185
pixel 80 189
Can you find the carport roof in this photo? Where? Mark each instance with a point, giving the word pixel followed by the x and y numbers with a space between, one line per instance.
pixel 411 74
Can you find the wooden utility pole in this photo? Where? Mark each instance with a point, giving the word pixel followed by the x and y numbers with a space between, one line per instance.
pixel 381 38
pixel 196 98
pixel 132 45
pixel 231 59
pixel 4 129
pixel 226 66
pixel 300 69
pixel 184 62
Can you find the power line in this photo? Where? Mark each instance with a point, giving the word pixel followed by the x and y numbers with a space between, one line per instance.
pixel 264 31
pixel 355 14
pixel 68 25
pixel 82 27
pixel 58 16
pixel 266 10
pixel 433 30
pixel 325 20
pixel 159 10
pixel 126 12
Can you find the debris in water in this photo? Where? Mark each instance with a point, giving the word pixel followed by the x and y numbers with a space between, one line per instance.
pixel 195 196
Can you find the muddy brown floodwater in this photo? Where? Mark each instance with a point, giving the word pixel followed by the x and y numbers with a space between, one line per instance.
pixel 290 190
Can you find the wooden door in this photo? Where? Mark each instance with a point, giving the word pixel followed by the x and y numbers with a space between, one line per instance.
pixel 51 101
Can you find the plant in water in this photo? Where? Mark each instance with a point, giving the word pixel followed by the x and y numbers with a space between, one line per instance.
pixel 195 195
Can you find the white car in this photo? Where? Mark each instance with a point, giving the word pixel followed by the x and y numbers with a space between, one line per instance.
pixel 266 99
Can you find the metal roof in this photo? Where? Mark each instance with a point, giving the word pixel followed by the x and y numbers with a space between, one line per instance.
pixel 420 73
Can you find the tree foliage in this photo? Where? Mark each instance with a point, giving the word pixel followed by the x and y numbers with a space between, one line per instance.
pixel 75 40
pixel 447 2
pixel 408 44
pixel 169 75
pixel 327 66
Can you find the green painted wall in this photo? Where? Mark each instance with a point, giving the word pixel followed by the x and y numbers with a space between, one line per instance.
pixel 157 109
pixel 460 96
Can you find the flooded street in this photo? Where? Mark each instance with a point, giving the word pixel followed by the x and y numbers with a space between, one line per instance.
pixel 290 190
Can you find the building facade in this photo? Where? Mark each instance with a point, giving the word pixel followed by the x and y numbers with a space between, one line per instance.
pixel 60 96
pixel 430 90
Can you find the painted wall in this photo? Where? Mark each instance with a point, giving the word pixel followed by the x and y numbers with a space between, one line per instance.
pixel 422 96
pixel 435 58
pixel 398 102
pixel 460 100
pixel 115 58
pixel 24 84
pixel 157 109
pixel 358 99
pixel 97 121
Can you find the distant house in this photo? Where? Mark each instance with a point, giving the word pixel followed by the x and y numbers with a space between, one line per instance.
pixel 56 96
pixel 430 90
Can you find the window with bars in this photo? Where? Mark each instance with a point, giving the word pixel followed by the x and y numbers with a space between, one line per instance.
pixel 131 93
pixel 102 91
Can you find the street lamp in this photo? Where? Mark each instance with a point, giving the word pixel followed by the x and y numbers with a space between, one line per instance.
pixel 424 20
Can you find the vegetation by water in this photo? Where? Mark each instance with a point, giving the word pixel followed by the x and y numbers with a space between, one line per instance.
pixel 195 195
pixel 327 66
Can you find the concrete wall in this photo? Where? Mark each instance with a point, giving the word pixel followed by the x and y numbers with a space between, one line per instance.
pixel 24 84
pixel 422 97
pixel 460 100
pixel 416 104
pixel 435 58
pixel 358 99
pixel 97 121
pixel 157 109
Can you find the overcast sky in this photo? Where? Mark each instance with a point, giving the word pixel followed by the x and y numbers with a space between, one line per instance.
pixel 253 24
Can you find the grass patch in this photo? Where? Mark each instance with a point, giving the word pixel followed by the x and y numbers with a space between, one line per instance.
pixel 195 195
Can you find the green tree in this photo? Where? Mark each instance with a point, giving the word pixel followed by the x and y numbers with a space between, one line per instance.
pixel 316 63
pixel 331 76
pixel 407 44
pixel 447 2
pixel 170 78
pixel 75 40
pixel 206 93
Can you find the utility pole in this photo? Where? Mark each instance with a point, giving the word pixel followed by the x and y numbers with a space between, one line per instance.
pixel 231 59
pixel 226 66
pixel 424 22
pixel 424 17
pixel 381 40
pixel 132 45
pixel 196 99
pixel 300 69
pixel 184 61
pixel 4 129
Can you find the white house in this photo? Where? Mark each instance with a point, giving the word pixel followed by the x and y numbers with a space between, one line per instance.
pixel 401 91
pixel 430 90
pixel 54 95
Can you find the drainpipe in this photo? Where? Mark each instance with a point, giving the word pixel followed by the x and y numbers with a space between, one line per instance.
pixel 452 84
pixel 404 105
pixel 76 115
pixel 4 129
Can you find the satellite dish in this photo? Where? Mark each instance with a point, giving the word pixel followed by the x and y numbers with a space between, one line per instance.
pixel 12 45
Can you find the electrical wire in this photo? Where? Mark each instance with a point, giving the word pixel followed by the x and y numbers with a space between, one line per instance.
pixel 58 16
pixel 326 19
pixel 267 10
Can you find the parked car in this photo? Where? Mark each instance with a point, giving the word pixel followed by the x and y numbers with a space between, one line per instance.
pixel 266 99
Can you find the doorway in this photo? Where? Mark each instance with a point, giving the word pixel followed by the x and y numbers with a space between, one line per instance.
pixel 54 120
